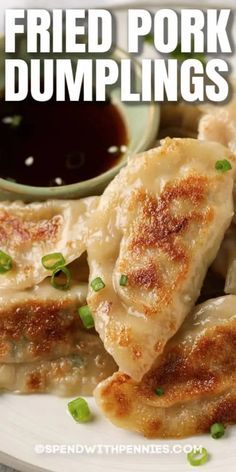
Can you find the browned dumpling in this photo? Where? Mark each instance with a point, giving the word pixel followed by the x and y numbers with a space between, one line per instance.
pixel 157 228
pixel 218 127
pixel 219 123
pixel 30 231
pixel 75 374
pixel 196 375
pixel 44 346
pixel 40 323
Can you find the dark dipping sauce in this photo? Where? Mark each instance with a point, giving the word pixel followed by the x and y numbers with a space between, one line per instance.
pixel 59 143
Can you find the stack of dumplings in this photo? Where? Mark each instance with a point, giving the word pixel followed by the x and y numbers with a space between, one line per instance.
pixel 149 242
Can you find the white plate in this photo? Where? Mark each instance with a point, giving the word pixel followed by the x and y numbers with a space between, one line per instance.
pixel 27 421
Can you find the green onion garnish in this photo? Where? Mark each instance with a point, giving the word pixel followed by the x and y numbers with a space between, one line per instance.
pixel 79 409
pixel 52 261
pixel 14 121
pixel 223 165
pixel 217 430
pixel 182 56
pixel 149 38
pixel 61 283
pixel 86 316
pixel 196 458
pixel 123 280
pixel 6 263
pixel 159 391
pixel 97 284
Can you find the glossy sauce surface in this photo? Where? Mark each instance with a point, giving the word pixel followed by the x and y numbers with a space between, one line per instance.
pixel 59 143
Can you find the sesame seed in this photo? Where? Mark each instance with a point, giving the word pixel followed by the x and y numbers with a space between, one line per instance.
pixel 123 148
pixel 113 149
pixel 29 161
pixel 58 180
pixel 6 120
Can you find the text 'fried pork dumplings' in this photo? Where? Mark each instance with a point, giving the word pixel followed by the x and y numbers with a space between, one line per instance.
pixel 30 231
pixel 196 375
pixel 160 224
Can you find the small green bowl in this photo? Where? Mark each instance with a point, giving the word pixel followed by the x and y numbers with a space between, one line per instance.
pixel 142 121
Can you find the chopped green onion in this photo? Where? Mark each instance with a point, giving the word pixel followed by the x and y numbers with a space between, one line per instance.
pixel 79 410
pixel 196 458
pixel 52 261
pixel 14 121
pixel 6 263
pixel 97 284
pixel 149 38
pixel 159 391
pixel 223 165
pixel 60 284
pixel 123 280
pixel 86 316
pixel 182 56
pixel 217 430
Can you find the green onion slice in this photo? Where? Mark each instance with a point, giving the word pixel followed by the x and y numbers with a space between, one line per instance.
pixel 159 391
pixel 52 261
pixel 217 430
pixel 196 458
pixel 182 56
pixel 123 280
pixel 223 165
pixel 149 38
pixel 61 278
pixel 97 284
pixel 6 263
pixel 79 410
pixel 86 316
pixel 14 121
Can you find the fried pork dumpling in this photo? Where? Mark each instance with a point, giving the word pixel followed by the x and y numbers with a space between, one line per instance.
pixel 218 127
pixel 40 323
pixel 76 374
pixel 44 346
pixel 30 231
pixel 197 375
pixel 159 224
pixel 219 123
pixel 225 261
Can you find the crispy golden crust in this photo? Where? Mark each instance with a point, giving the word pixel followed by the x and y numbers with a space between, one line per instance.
pixel 44 325
pixel 197 373
pixel 15 231
pixel 40 323
pixel 160 222
pixel 183 375
pixel 158 226
pixel 43 345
